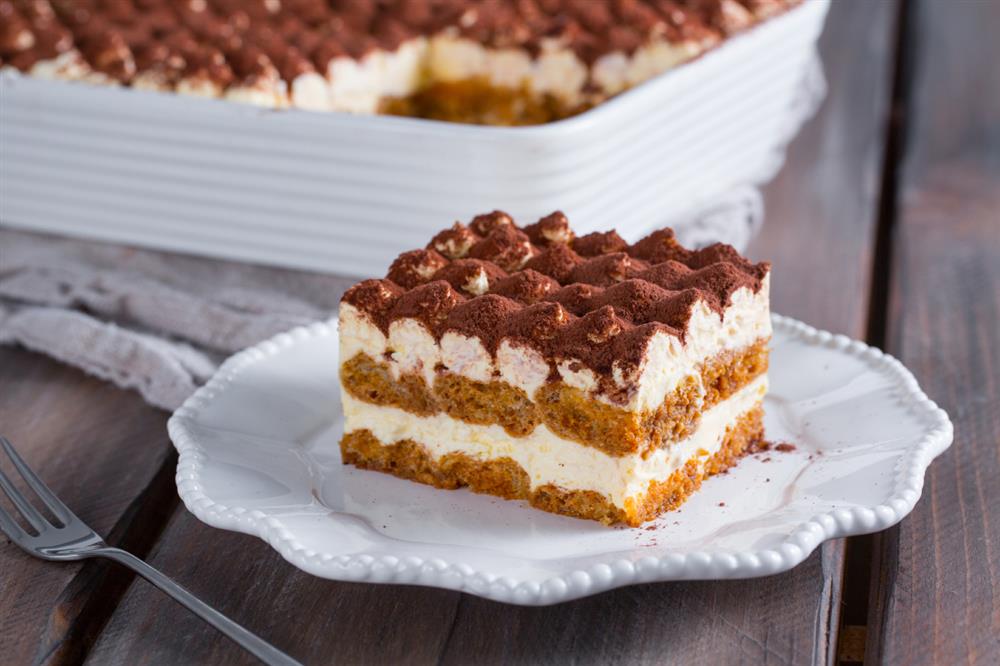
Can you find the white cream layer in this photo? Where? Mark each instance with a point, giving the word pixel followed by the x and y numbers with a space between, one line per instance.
pixel 619 71
pixel 68 65
pixel 358 86
pixel 266 93
pixel 557 70
pixel 412 348
pixel 548 458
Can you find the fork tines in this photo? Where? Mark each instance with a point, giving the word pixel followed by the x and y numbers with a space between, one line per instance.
pixel 31 515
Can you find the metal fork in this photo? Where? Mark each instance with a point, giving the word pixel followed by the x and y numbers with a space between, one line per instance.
pixel 71 539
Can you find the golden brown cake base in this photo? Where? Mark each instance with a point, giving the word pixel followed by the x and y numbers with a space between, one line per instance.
pixel 477 101
pixel 505 478
pixel 566 410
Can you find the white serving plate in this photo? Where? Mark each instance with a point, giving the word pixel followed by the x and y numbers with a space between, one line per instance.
pixel 259 454
pixel 339 192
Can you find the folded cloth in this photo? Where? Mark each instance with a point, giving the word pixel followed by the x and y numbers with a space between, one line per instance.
pixel 150 321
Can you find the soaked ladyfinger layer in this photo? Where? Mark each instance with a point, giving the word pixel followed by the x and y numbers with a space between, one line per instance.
pixel 664 489
pixel 564 409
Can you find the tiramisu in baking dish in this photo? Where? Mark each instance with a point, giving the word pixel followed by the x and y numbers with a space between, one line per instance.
pixel 487 61
pixel 588 376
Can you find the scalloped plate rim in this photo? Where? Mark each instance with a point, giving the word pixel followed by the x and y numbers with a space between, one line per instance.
pixel 799 543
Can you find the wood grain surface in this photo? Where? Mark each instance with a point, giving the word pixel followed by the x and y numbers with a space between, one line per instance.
pixel 936 597
pixel 821 223
pixel 101 450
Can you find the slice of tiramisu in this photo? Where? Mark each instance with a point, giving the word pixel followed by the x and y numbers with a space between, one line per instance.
pixel 588 376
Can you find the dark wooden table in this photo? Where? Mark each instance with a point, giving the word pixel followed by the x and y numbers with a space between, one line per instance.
pixel 884 225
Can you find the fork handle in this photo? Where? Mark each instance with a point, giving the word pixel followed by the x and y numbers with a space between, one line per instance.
pixel 253 644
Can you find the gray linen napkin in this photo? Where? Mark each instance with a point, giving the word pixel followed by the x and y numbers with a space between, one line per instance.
pixel 150 321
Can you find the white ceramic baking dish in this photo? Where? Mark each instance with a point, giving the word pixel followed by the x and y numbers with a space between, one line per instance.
pixel 345 193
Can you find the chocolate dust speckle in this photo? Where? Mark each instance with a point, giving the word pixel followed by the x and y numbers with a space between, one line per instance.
pixel 763 446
